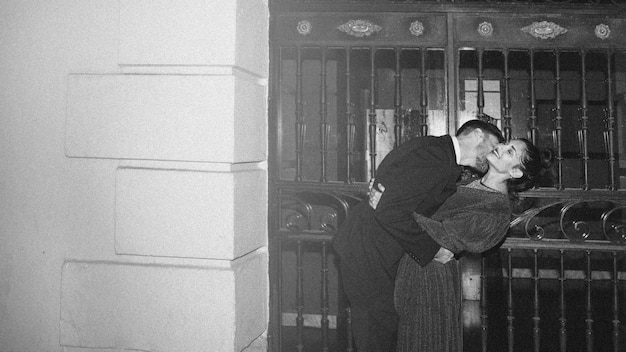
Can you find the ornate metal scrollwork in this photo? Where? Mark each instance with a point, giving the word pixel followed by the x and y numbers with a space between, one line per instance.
pixel 614 230
pixel 304 27
pixel 544 30
pixel 314 211
pixel 296 214
pixel 416 28
pixel 577 220
pixel 602 31
pixel 485 29
pixel 359 28
pixel 581 228
pixel 533 231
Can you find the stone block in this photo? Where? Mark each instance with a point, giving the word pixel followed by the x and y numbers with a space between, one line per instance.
pixel 166 117
pixel 142 307
pixel 184 32
pixel 252 296
pixel 195 33
pixel 121 306
pixel 190 214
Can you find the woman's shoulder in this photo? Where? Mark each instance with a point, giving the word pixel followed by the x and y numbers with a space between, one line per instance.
pixel 478 194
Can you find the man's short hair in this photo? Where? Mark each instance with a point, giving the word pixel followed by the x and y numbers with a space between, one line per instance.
pixel 486 127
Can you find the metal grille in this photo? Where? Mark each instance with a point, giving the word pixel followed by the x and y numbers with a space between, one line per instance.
pixel 350 82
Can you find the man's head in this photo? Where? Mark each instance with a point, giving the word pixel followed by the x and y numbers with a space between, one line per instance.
pixel 476 139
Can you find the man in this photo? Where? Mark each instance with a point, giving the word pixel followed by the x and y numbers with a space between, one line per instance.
pixel 418 176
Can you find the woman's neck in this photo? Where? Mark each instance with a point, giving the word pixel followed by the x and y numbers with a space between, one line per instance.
pixel 495 183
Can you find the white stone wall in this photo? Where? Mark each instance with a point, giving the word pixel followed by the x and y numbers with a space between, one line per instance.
pixel 133 177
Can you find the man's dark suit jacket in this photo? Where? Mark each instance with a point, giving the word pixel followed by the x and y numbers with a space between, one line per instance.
pixel 418 176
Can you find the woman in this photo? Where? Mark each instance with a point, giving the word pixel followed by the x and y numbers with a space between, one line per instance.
pixel 474 219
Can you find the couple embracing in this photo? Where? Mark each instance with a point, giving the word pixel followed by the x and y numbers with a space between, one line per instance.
pixel 396 253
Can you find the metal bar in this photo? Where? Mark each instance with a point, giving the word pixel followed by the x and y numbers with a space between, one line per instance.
pixel 589 245
pixel 511 315
pixel 372 114
pixel 536 317
pixel 562 319
pixel 275 334
pixel 451 88
pixel 483 304
pixel 583 133
pixel 299 299
pixel 350 126
pixel 397 128
pixel 609 132
pixel 324 298
pixel 589 319
pixel 480 98
pixel 507 97
pixel 616 321
pixel 558 129
pixel 300 125
pixel 324 126
pixel 350 347
pixel 533 100
pixel 423 92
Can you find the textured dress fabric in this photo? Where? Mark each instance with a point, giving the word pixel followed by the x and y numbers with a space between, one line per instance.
pixel 428 299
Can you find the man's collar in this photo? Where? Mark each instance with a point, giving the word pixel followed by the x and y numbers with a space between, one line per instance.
pixel 457 149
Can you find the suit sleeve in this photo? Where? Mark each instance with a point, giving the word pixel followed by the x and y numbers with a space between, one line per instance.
pixel 417 182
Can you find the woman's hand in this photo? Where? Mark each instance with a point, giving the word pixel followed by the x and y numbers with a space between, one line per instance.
pixel 374 194
pixel 443 256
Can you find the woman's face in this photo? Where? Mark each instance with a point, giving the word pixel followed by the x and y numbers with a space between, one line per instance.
pixel 506 156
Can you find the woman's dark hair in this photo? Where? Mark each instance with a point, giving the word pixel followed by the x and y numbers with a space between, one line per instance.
pixel 534 161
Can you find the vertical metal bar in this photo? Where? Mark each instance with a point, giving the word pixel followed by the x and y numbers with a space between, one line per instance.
pixel 480 98
pixel 562 319
pixel 589 319
pixel 511 315
pixel 616 322
pixel 324 298
pixel 350 126
pixel 536 317
pixel 558 129
pixel 372 115
pixel 452 75
pixel 299 298
pixel 350 347
pixel 324 126
pixel 397 128
pixel 583 133
pixel 533 100
pixel 483 304
pixel 423 92
pixel 300 125
pixel 609 130
pixel 275 334
pixel 507 97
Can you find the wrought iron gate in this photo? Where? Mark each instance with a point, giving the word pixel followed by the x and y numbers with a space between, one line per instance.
pixel 350 80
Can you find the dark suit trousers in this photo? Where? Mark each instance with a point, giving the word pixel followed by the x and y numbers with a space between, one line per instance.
pixel 374 318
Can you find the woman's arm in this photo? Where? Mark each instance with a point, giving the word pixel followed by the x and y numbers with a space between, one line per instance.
pixel 467 228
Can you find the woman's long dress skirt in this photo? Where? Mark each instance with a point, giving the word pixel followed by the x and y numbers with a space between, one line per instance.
pixel 428 301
